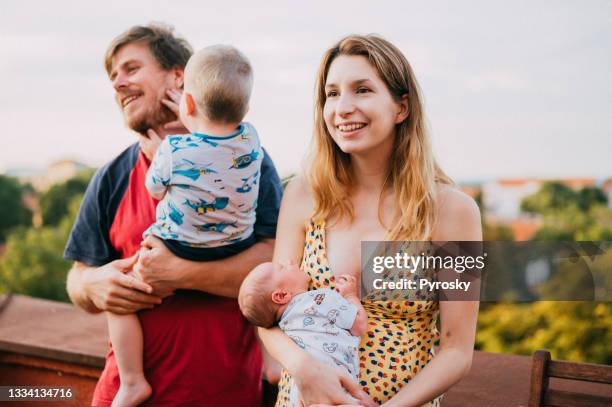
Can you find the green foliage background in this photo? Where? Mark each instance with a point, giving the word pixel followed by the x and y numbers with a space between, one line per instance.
pixel 32 264
pixel 13 212
pixel 578 330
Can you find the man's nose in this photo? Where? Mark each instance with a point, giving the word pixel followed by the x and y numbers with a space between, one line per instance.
pixel 120 81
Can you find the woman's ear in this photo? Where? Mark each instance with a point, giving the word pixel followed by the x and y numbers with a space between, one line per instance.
pixel 403 109
pixel 281 297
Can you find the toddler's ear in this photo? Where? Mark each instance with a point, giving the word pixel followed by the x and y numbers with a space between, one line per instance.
pixel 281 297
pixel 189 103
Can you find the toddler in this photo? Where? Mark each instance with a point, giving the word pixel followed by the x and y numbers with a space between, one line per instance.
pixel 207 184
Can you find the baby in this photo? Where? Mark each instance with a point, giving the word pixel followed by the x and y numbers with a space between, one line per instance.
pixel 207 184
pixel 325 323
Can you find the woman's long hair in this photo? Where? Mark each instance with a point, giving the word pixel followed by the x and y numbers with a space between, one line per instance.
pixel 413 173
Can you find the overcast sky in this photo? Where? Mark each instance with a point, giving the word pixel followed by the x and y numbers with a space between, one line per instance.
pixel 511 88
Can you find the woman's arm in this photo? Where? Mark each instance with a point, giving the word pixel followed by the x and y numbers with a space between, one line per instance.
pixel 318 383
pixel 458 220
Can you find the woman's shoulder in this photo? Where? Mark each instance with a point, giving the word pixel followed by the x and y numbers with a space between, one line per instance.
pixel 457 216
pixel 298 198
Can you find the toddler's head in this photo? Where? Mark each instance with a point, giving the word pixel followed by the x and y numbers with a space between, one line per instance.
pixel 218 84
pixel 268 289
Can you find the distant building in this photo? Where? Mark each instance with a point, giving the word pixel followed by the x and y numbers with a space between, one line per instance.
pixel 63 170
pixel 502 198
pixel 524 228
pixel 42 179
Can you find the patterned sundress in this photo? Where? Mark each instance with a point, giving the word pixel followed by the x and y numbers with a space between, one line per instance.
pixel 400 338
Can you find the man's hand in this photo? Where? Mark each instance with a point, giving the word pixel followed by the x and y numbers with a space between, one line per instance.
pixel 346 285
pixel 172 103
pixel 110 289
pixel 158 267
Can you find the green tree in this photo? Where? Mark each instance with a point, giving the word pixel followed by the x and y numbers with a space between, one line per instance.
pixel 551 196
pixel 589 197
pixel 54 202
pixel 33 262
pixel 576 330
pixel 13 211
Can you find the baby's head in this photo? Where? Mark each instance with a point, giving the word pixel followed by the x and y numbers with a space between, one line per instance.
pixel 218 84
pixel 267 290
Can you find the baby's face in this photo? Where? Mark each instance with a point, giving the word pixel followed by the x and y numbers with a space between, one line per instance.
pixel 289 277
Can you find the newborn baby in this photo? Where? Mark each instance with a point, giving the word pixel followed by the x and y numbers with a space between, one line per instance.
pixel 325 323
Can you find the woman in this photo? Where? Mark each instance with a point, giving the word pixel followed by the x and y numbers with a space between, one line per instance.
pixel 372 176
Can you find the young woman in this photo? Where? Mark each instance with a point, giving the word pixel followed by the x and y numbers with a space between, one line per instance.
pixel 372 176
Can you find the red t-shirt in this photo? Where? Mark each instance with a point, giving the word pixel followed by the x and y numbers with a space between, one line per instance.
pixel 198 348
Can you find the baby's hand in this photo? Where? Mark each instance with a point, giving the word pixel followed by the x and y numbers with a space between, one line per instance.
pixel 346 285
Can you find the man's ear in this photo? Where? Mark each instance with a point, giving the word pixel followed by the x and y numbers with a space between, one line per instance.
pixel 403 109
pixel 281 297
pixel 179 78
pixel 189 103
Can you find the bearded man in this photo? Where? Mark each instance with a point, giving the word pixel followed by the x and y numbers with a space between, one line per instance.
pixel 198 349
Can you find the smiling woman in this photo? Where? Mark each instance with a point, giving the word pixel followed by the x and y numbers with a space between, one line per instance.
pixel 357 109
pixel 372 176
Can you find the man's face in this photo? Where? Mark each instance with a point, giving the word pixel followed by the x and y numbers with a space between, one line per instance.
pixel 140 84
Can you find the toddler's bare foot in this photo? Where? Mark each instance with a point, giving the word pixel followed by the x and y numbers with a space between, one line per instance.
pixel 132 393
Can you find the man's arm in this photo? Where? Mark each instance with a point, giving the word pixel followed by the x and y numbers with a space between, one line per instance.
pixel 165 272
pixel 109 288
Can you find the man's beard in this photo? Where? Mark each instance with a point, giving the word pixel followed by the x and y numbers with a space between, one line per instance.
pixel 152 119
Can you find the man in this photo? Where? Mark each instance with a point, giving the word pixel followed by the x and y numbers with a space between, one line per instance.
pixel 198 348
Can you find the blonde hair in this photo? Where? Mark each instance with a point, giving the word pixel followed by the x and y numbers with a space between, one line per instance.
pixel 413 173
pixel 221 79
pixel 255 297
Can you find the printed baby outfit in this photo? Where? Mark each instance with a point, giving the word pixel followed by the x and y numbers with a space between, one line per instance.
pixel 211 185
pixel 319 321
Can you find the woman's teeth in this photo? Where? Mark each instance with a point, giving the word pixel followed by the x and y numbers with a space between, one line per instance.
pixel 351 127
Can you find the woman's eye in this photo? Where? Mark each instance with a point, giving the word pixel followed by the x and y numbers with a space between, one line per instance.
pixel 332 93
pixel 363 90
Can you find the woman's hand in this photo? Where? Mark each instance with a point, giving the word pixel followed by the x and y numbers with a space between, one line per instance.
pixel 318 383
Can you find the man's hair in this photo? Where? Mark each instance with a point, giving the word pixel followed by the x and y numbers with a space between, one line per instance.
pixel 169 50
pixel 220 78
pixel 255 297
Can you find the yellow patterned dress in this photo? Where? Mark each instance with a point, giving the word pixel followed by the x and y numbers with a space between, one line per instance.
pixel 399 340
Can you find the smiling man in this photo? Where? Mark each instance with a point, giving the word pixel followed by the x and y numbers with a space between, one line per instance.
pixel 198 349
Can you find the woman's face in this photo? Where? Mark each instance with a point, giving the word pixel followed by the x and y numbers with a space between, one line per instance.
pixel 359 112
